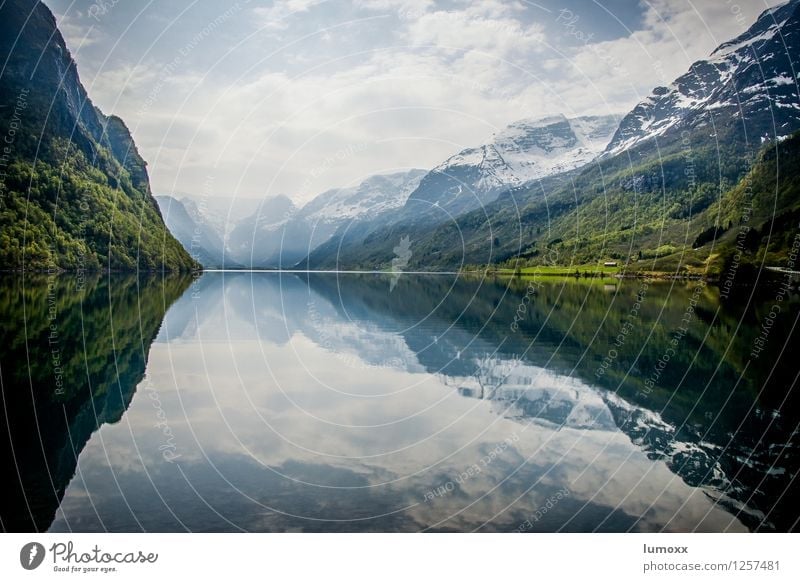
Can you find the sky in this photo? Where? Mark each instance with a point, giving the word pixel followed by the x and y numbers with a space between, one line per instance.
pixel 294 97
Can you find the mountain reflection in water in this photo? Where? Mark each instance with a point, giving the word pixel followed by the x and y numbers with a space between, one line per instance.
pixel 324 402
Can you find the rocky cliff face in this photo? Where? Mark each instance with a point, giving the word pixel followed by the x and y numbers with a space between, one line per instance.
pixel 75 190
pixel 746 88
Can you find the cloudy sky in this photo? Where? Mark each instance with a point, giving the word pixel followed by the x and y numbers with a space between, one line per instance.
pixel 293 97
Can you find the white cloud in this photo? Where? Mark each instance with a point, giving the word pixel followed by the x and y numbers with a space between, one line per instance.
pixel 413 81
pixel 675 34
pixel 404 8
pixel 278 14
pixel 464 30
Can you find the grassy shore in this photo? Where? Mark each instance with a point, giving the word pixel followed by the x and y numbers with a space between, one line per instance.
pixel 594 271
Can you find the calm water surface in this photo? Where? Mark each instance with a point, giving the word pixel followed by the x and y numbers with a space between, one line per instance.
pixel 289 402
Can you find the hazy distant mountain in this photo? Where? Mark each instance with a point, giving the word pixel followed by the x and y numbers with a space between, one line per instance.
pixel 374 196
pixel 197 231
pixel 373 199
pixel 258 240
pixel 279 234
pixel 221 212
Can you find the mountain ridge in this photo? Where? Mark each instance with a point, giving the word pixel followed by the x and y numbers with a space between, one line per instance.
pixel 279 233
pixel 522 152
pixel 661 182
pixel 76 192
pixel 736 79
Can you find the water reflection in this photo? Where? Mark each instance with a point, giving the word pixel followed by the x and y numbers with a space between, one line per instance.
pixel 73 351
pixel 283 402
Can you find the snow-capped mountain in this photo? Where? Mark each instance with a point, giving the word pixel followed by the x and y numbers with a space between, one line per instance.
pixel 373 196
pixel 748 84
pixel 279 234
pixel 524 151
pixel 534 149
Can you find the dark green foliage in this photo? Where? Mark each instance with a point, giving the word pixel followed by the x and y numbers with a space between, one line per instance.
pixel 707 236
pixel 74 191
pixel 70 217
pixel 74 349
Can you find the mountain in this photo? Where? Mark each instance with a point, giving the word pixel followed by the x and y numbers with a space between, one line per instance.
pixel 756 221
pixel 524 151
pixel 749 83
pixel 195 230
pixel 528 154
pixel 366 201
pixel 281 234
pixel 260 240
pixel 222 213
pixel 75 191
pixel 672 190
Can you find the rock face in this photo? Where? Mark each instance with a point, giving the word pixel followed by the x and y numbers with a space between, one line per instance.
pixel 524 151
pixel 748 87
pixel 75 190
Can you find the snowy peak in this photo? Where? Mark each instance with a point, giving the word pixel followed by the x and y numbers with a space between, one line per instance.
pixel 524 151
pixel 199 214
pixel 274 211
pixel 748 83
pixel 534 148
pixel 539 148
pixel 595 131
pixel 537 136
pixel 486 161
pixel 279 234
pixel 766 26
pixel 372 197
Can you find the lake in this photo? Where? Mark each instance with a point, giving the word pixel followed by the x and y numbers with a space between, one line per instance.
pixel 278 402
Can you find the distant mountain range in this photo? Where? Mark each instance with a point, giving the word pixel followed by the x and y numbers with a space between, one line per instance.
pixel 665 192
pixel 277 233
pixel 198 232
pixel 668 186
pixel 75 191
